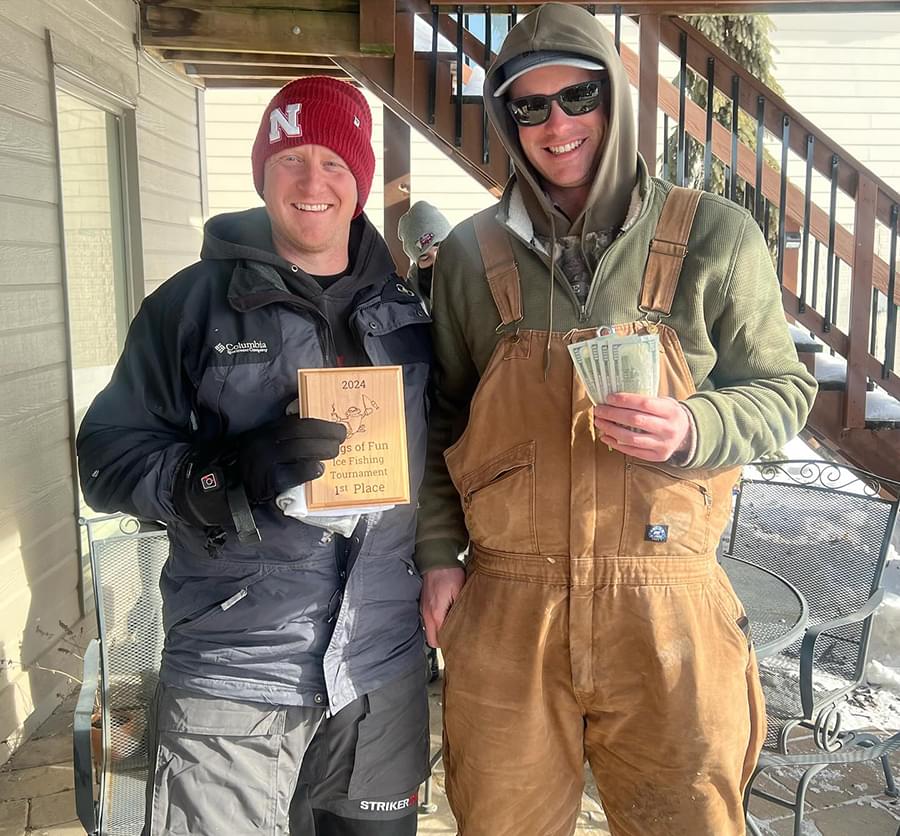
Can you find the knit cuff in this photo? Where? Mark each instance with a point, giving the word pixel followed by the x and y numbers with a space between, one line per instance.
pixel 437 554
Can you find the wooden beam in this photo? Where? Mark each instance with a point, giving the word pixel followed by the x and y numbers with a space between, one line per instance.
pixel 376 27
pixel 344 6
pixel 648 89
pixel 237 71
pixel 250 30
pixel 395 132
pixel 711 7
pixel 245 59
pixel 246 83
pixel 860 303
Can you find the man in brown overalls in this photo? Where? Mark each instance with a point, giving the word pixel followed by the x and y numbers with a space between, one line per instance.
pixel 594 622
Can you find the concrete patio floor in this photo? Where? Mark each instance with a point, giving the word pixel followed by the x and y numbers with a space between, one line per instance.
pixel 37 795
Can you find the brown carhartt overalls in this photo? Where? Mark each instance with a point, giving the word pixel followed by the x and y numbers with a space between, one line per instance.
pixel 578 633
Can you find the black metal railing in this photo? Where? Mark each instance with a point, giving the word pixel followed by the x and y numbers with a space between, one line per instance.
pixel 718 143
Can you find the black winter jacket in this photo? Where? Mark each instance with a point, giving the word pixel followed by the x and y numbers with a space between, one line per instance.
pixel 212 353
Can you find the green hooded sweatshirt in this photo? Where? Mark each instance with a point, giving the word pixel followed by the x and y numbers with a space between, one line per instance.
pixel 753 394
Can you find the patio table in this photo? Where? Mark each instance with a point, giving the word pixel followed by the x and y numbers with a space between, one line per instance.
pixel 777 610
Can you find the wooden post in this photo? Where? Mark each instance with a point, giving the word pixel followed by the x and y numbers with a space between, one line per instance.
pixel 396 142
pixel 376 27
pixel 860 302
pixel 648 89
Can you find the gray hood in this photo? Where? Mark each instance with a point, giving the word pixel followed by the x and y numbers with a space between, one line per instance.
pixel 560 27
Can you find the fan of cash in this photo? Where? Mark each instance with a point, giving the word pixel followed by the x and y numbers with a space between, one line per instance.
pixel 609 363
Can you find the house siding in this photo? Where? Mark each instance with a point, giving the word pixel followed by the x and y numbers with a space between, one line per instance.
pixel 40 572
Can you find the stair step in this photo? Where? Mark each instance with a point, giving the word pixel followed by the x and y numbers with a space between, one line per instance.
pixel 882 410
pixel 804 342
pixel 831 372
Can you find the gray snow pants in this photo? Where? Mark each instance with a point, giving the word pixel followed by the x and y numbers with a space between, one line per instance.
pixel 229 767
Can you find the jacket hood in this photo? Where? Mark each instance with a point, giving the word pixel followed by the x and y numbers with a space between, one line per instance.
pixel 564 28
pixel 247 235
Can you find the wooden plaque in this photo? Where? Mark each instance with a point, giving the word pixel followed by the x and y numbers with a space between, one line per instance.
pixel 372 467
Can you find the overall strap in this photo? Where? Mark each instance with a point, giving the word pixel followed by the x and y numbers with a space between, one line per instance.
pixel 500 267
pixel 668 249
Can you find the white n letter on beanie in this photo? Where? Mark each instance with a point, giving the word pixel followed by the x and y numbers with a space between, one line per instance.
pixel 287 123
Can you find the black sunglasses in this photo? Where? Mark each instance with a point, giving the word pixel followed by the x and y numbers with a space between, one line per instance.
pixel 575 100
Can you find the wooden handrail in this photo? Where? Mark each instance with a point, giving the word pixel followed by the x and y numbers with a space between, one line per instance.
pixel 873 198
pixel 700 48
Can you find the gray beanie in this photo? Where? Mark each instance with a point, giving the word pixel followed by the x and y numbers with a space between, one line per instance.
pixel 421 228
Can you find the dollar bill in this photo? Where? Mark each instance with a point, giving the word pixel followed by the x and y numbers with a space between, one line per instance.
pixel 633 365
pixel 581 357
pixel 611 363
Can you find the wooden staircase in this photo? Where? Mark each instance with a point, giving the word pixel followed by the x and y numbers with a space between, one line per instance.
pixel 838 284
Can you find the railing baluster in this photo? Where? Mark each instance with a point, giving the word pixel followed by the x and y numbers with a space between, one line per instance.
pixel 665 161
pixel 457 138
pixel 760 139
pixel 682 110
pixel 707 152
pixel 890 332
pixel 815 274
pixel 873 333
pixel 617 12
pixel 432 66
pixel 807 201
pixel 832 221
pixel 835 295
pixel 510 22
pixel 485 135
pixel 735 90
pixel 767 211
pixel 873 323
pixel 782 194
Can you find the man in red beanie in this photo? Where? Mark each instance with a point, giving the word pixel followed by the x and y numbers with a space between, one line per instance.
pixel 292 688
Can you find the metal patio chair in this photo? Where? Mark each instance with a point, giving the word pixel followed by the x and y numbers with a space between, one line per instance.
pixel 121 670
pixel 826 529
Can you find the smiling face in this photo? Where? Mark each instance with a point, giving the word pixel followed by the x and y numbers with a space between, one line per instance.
pixel 311 196
pixel 565 150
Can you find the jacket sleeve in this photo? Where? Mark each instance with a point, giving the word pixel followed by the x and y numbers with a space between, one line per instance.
pixel 137 430
pixel 441 532
pixel 762 393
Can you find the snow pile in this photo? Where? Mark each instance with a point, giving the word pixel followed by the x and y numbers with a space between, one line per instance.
pixel 884 655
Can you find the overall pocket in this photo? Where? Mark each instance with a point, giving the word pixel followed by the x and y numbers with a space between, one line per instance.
pixel 665 514
pixel 729 605
pixel 498 500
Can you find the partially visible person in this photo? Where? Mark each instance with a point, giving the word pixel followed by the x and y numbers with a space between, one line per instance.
pixel 421 230
pixel 292 689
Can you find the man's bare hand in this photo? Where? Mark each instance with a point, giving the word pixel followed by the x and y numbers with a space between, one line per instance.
pixel 665 426
pixel 440 588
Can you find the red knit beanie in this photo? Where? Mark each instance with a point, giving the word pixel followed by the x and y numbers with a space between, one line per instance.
pixel 318 111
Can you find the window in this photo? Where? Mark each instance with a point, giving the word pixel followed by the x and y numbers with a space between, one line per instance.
pixel 100 297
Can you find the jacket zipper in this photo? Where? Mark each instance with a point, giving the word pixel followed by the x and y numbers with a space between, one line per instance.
pixel 595 283
pixel 583 309
pixel 702 489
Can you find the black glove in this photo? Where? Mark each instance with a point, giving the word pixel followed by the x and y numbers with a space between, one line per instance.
pixel 266 461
